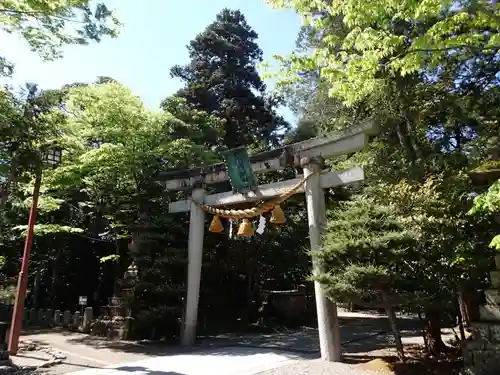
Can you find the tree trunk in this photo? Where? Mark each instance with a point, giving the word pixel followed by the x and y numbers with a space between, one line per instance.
pixel 426 344
pixel 11 178
pixel 464 311
pixel 432 326
pixel 36 287
pixel 461 329
pixel 55 279
pixel 394 327
pixel 468 301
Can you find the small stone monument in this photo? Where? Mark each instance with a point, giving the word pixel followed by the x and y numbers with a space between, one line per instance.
pixel 49 318
pixel 87 320
pixel 57 318
pixel 40 318
pixel 76 319
pixel 66 319
pixel 33 316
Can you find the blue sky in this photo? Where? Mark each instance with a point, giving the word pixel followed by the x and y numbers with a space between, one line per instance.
pixel 153 38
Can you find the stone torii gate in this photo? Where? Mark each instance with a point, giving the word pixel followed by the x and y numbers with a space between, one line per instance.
pixel 308 155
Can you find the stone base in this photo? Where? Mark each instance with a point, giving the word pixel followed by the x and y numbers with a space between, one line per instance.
pixel 112 328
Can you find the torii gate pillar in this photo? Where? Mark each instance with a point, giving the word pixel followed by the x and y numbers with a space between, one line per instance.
pixel 326 310
pixel 195 257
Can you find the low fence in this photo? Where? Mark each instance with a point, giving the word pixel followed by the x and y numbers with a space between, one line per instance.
pixel 46 318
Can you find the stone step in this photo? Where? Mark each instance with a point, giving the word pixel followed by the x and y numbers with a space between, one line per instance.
pixel 486 331
pixel 489 313
pixel 495 279
pixel 492 296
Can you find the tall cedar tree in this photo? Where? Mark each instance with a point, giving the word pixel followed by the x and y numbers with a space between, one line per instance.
pixel 222 80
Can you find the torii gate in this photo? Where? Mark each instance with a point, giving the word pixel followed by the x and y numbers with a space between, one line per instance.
pixel 307 154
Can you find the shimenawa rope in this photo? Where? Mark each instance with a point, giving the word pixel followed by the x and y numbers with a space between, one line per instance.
pixel 255 211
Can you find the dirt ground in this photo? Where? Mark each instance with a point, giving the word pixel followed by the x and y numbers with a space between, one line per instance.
pixel 366 343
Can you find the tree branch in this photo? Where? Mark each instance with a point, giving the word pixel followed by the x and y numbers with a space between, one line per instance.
pixel 36 14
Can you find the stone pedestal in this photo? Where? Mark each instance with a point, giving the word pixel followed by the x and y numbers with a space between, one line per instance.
pixel 482 354
pixel 113 321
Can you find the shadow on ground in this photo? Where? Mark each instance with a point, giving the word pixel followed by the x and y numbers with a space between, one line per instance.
pixel 146 371
pixel 358 335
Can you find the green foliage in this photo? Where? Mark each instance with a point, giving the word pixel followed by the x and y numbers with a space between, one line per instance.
pixel 7 294
pixel 495 242
pixel 364 255
pixel 488 165
pixel 47 25
pixel 436 123
pixel 489 202
pixel 43 229
pixel 110 258
pixel 387 38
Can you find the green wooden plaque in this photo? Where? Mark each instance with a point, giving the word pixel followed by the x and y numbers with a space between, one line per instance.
pixel 240 171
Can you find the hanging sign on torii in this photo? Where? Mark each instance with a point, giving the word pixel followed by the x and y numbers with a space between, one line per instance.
pixel 308 155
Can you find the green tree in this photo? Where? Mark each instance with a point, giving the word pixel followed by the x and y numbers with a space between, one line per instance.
pixel 47 25
pixel 435 124
pixel 363 258
pixel 387 37
pixel 223 81
pixel 489 203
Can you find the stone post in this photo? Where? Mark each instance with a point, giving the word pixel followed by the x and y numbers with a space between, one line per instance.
pixel 32 316
pixel 49 317
pixel 26 316
pixel 57 318
pixel 40 317
pixel 76 319
pixel 87 319
pixel 66 319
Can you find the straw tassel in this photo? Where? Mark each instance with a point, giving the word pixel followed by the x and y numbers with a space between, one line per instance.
pixel 245 229
pixel 216 225
pixel 277 216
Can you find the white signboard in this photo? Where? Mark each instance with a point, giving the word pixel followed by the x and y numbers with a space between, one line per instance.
pixel 82 300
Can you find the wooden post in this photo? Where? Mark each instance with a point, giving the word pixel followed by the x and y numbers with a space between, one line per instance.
pixel 195 249
pixel 328 325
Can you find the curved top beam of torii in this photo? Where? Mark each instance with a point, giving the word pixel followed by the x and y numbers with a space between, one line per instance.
pixel 353 140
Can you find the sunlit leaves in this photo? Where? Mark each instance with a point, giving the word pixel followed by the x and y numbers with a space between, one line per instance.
pixel 44 229
pixel 110 258
pixel 49 24
pixel 387 38
pixel 495 242
pixel 488 202
pixel 364 253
